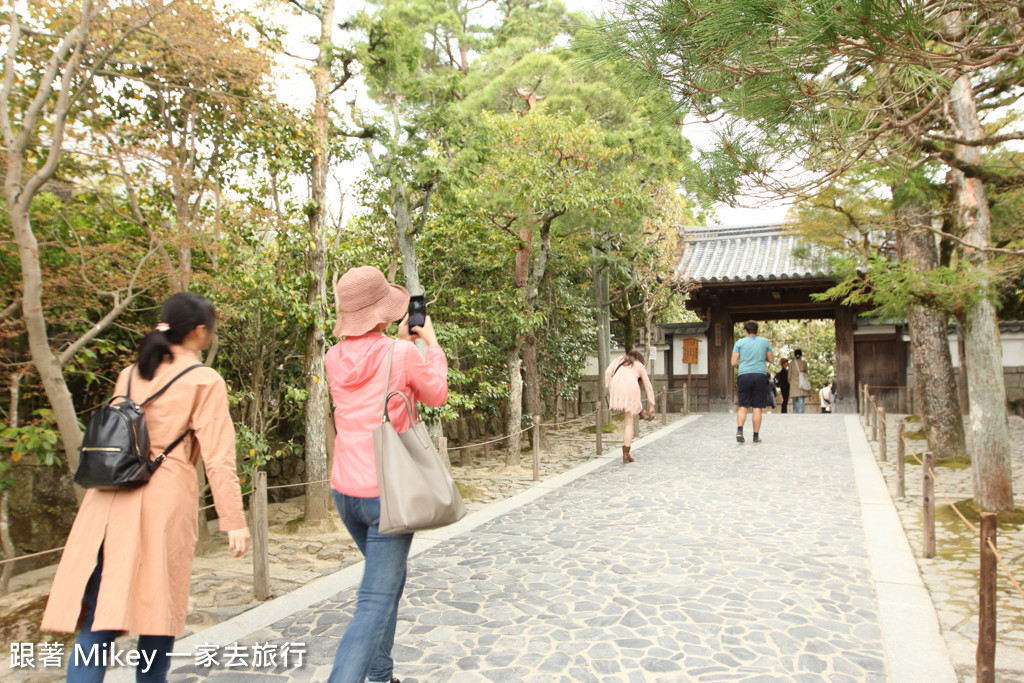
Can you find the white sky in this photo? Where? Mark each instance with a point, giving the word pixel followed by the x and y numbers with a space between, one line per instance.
pixel 296 89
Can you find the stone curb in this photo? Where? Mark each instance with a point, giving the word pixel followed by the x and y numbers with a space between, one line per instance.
pixel 915 648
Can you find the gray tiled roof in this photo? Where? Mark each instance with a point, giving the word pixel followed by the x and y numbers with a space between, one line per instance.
pixel 748 254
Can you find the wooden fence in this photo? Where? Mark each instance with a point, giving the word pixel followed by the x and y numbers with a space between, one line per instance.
pixel 989 558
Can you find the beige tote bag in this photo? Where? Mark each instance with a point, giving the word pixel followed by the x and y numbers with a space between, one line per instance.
pixel 416 490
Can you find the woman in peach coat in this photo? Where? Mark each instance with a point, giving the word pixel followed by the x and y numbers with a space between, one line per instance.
pixel 127 563
pixel 623 378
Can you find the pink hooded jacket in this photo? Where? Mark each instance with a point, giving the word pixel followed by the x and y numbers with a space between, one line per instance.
pixel 355 373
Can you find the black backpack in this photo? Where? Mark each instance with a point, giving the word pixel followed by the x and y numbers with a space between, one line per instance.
pixel 115 447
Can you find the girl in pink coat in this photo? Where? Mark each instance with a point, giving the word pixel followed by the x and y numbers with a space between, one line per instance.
pixel 623 378
pixel 127 564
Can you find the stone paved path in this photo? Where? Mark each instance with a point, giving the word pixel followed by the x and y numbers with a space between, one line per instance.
pixel 704 560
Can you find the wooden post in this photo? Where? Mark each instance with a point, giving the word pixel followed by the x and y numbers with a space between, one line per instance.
pixel 686 388
pixel 985 655
pixel 874 420
pixel 597 409
pixel 864 403
pixel 441 444
pixel 260 533
pixel 536 447
pixel 883 447
pixel 910 400
pixel 487 449
pixel 928 503
pixel 664 406
pixel 558 407
pixel 901 459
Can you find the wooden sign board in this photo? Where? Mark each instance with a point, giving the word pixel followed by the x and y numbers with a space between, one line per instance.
pixel 690 355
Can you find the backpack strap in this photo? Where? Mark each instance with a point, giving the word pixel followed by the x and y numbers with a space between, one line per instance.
pixel 166 386
pixel 160 458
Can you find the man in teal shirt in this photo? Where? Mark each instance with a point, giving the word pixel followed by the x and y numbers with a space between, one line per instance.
pixel 751 356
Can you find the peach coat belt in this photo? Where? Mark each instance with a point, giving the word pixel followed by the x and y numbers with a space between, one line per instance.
pixel 149 534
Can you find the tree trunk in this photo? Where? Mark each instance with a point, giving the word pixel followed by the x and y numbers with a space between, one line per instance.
pixel 989 433
pixel 537 274
pixel 929 345
pixel 10 550
pixel 515 407
pixel 601 305
pixel 317 490
pixel 531 376
pixel 19 190
pixel 406 237
pixel 46 362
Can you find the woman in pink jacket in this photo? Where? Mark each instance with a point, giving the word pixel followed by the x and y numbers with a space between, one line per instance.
pixel 356 369
pixel 623 378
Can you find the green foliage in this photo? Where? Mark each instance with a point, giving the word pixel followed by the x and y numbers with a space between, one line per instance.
pixel 191 175
pixel 816 338
pixel 891 286
pixel 38 438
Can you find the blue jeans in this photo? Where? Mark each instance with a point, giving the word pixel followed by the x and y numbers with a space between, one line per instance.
pixel 94 671
pixel 365 649
pixel 798 404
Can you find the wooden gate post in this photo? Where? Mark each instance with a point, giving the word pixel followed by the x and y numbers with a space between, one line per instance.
pixel 985 656
pixel 260 533
pixel 928 504
pixel 664 406
pixel 901 458
pixel 883 448
pixel 597 410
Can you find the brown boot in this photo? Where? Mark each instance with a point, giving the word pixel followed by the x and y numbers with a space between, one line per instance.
pixel 626 457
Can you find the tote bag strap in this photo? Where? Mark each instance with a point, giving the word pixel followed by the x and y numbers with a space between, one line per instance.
pixel 387 383
pixel 405 399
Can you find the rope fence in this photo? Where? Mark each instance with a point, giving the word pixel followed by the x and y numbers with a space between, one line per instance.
pixel 989 556
pixel 260 489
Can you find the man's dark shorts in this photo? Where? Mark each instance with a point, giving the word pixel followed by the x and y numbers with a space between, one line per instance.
pixel 752 390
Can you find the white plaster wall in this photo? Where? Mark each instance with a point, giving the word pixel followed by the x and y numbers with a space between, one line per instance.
pixel 1012 343
pixel 1013 349
pixel 590 370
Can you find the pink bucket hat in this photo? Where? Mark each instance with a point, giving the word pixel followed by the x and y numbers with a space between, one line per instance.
pixel 366 299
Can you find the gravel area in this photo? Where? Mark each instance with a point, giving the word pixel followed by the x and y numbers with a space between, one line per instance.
pixel 952 575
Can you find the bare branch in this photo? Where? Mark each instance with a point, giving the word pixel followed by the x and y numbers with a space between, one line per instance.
pixel 120 304
pixel 10 309
pixel 308 8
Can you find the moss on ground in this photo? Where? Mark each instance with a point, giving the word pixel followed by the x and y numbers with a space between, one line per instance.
pixel 969 509
pixel 959 463
pixel 605 429
pixel 469 492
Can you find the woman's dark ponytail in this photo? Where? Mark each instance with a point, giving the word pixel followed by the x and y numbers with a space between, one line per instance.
pixel 180 314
